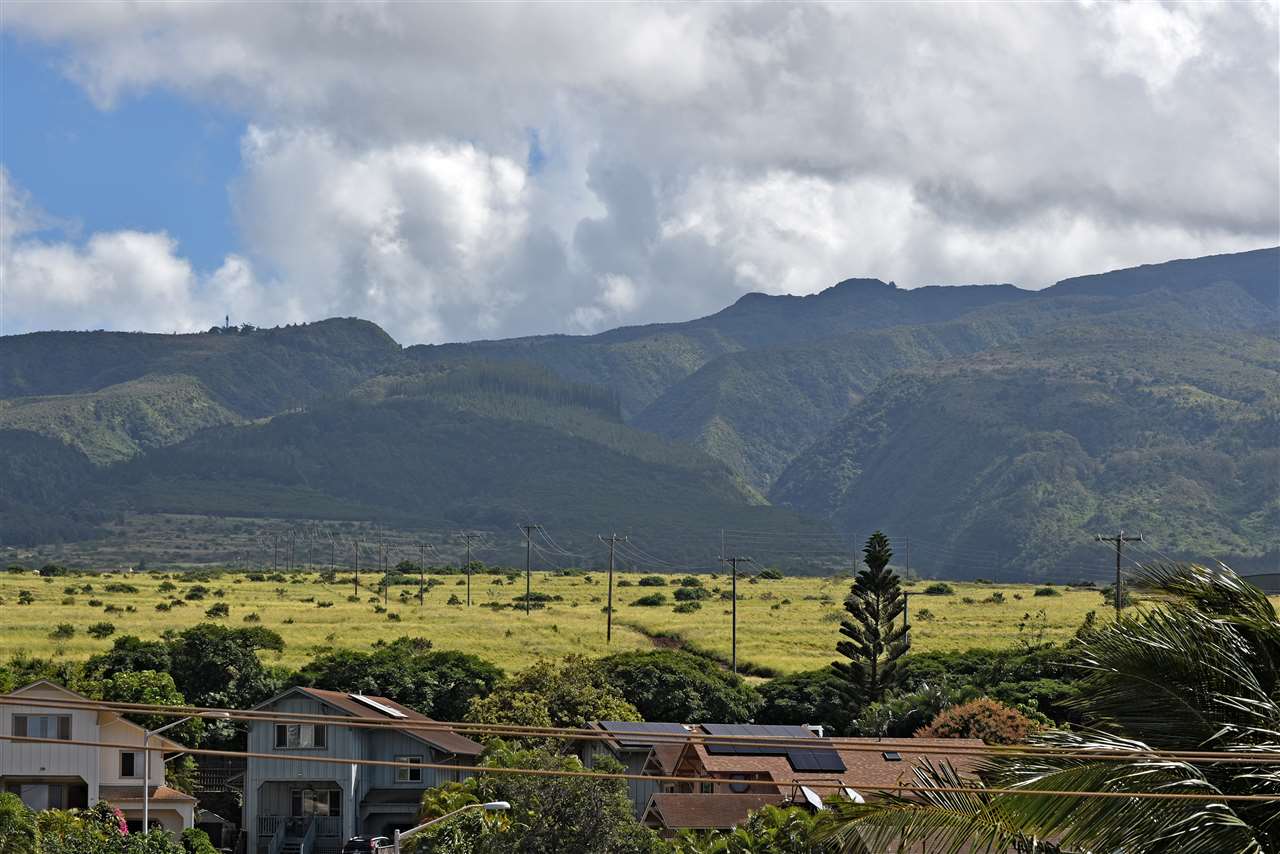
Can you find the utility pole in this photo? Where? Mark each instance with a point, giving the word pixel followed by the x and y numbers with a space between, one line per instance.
pixel 275 552
pixel 528 555
pixel 906 544
pixel 612 541
pixel 733 562
pixel 355 561
pixel 906 607
pixel 333 551
pixel 382 564
pixel 1119 539
pixel 467 538
pixel 422 571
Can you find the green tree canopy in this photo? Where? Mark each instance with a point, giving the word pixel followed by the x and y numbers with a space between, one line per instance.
pixel 572 692
pixel 672 685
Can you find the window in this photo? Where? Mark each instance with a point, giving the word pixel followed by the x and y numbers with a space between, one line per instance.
pixel 316 802
pixel 409 775
pixel 300 735
pixel 739 786
pixel 706 788
pixel 43 726
pixel 130 764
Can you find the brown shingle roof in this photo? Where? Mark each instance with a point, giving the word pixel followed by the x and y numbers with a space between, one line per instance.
pixel 703 812
pixel 134 793
pixel 445 740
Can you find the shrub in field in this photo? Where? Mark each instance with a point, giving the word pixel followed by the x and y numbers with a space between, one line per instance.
pixel 219 593
pixel 691 581
pixel 967 600
pixel 924 615
pixel 62 631
pixel 87 588
pixel 984 718
pixel 393 617
pixel 996 598
pixel 26 597
pixel 353 598
pixel 71 590
pixel 288 621
pixel 454 600
pixel 93 603
pixel 252 618
pixel 534 596
pixel 625 582
pixel 221 609
pixel 651 601
pixel 177 603
pixel 687 607
pixel 101 630
pixel 68 600
pixel 939 588
pixel 691 594
pixel 162 606
pixel 324 604
pixel 1047 591
pixel 653 581
pixel 120 587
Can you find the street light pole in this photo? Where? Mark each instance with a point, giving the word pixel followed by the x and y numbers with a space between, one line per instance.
pixel 492 806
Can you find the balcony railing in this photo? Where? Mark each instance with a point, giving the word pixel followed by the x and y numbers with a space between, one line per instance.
pixel 267 824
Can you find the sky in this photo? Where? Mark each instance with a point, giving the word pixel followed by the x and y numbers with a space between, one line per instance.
pixel 463 171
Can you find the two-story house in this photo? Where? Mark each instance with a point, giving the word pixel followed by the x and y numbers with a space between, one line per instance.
pixel 294 803
pixel 57 776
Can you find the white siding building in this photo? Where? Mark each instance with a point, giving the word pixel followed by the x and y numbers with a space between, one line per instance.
pixel 55 776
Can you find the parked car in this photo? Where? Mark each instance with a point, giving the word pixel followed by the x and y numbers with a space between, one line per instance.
pixel 365 844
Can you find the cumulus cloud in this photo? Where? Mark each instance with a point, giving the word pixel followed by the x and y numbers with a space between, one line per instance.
pixel 689 153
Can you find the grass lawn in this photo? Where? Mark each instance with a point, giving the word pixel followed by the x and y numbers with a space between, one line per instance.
pixel 783 626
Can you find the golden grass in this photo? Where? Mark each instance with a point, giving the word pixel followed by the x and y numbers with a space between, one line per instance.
pixel 785 625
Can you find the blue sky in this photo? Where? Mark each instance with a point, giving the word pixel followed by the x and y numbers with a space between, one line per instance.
pixel 154 162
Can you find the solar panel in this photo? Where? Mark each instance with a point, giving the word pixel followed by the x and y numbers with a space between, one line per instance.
pixel 376 706
pixel 892 756
pixel 821 759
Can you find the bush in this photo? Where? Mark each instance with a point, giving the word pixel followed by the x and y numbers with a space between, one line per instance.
pixel 939 588
pixel 653 581
pixel 691 594
pixel 101 630
pixel 691 581
pixel 924 615
pixel 984 718
pixel 453 599
pixel 63 631
pixel 196 841
pixel 672 685
pixel 325 604
pixel 120 587
pixel 1047 591
pixel 162 606
pixel 686 607
pixel 221 609
pixel 26 597
pixel 93 603
pixel 252 618
pixel 651 601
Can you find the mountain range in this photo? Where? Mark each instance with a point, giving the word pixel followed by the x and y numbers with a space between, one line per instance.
pixel 995 429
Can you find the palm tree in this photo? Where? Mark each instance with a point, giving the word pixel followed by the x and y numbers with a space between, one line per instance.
pixel 1197 672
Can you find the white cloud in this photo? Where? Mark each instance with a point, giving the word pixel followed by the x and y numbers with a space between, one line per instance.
pixel 697 151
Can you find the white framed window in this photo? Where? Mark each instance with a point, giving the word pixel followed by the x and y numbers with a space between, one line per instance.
pixel 43 726
pixel 130 763
pixel 305 802
pixel 300 735
pixel 409 775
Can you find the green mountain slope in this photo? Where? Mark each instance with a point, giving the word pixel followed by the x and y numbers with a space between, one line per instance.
pixel 1006 461
pixel 474 446
pixel 254 374
pixel 122 420
pixel 757 409
pixel 641 362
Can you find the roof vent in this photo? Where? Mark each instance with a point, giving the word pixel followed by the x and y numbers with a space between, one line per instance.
pixel 892 756
pixel 376 706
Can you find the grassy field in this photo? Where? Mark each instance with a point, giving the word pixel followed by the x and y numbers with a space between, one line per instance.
pixel 783 626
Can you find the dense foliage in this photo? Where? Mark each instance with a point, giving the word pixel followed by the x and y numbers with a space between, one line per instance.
pixel 671 685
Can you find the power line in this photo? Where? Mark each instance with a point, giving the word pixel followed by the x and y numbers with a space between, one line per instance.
pixel 852 744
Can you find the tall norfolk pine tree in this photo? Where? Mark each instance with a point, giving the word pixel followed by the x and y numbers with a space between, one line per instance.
pixel 875 635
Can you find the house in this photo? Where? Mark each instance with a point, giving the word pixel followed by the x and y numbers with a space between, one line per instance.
pixel 297 805
pixel 639 747
pixel 54 776
pixel 736 777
